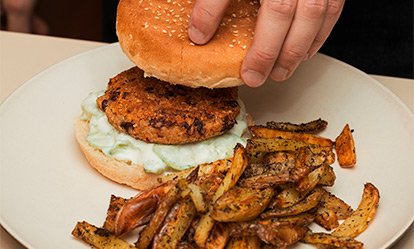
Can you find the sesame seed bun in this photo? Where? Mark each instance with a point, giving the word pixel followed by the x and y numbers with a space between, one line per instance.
pixel 153 34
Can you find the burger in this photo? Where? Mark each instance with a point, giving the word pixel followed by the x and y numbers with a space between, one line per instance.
pixel 179 106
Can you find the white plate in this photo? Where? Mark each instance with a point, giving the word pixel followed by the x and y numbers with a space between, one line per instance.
pixel 47 185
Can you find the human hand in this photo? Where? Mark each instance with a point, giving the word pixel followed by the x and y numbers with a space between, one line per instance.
pixel 287 32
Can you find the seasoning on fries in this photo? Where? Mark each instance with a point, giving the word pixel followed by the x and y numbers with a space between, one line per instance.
pixel 267 194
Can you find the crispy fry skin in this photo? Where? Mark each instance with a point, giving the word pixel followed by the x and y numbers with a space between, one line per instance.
pixel 341 209
pixel 239 163
pixel 280 167
pixel 362 216
pixel 314 126
pixel 324 174
pixel 345 148
pixel 287 197
pixel 306 204
pixel 241 204
pixel 139 208
pixel 326 218
pixel 115 204
pixel 98 237
pixel 218 237
pixel 280 235
pixel 148 233
pixel 175 225
pixel 263 132
pixel 330 240
pixel 247 242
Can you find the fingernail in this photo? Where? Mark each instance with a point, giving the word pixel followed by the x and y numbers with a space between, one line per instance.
pixel 279 73
pixel 253 78
pixel 196 35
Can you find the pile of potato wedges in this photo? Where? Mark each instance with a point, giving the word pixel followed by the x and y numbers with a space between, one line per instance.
pixel 265 196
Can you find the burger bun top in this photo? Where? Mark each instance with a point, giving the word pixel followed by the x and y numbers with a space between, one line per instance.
pixel 153 34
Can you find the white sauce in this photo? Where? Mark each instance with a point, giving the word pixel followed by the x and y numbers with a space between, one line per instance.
pixel 155 157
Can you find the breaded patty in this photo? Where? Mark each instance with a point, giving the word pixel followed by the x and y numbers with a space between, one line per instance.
pixel 158 112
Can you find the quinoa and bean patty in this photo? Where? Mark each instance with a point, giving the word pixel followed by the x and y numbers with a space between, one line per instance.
pixel 158 112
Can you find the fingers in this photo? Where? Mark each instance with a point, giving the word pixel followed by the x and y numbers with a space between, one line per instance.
pixel 332 15
pixel 287 32
pixel 283 39
pixel 273 23
pixel 205 18
pixel 309 17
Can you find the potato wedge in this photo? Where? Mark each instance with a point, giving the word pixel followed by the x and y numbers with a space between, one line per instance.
pixel 204 227
pixel 362 216
pixel 147 234
pixel 311 201
pixel 115 204
pixel 328 177
pixel 264 132
pixel 330 240
pixel 314 126
pixel 239 164
pixel 197 197
pixel 303 219
pixel 218 237
pixel 345 148
pixel 256 146
pixel 326 218
pixel 241 204
pixel 219 166
pixel 246 242
pixel 315 177
pixel 288 197
pixel 280 235
pixel 98 237
pixel 175 225
pixel 341 209
pixel 139 208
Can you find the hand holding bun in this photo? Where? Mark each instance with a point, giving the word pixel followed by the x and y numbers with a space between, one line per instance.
pixel 287 32
pixel 153 34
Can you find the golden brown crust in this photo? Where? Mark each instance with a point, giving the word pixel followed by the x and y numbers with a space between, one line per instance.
pixel 153 34
pixel 157 112
pixel 121 172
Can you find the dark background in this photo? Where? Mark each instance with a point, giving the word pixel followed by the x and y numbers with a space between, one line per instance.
pixel 374 36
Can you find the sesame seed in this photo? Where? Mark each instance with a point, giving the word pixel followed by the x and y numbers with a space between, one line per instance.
pixel 164 31
pixel 192 44
pixel 244 46
pixel 231 45
pixel 233 15
pixel 234 26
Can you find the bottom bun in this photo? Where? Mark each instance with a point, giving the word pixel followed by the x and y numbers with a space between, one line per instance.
pixel 122 172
